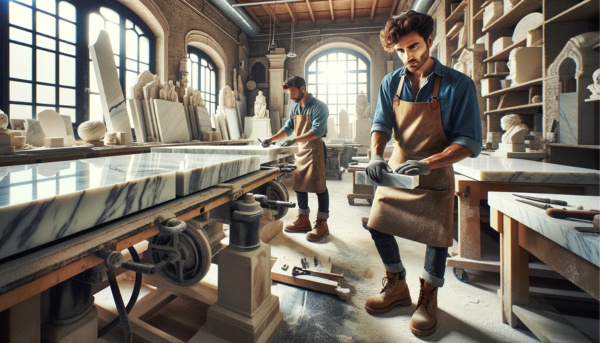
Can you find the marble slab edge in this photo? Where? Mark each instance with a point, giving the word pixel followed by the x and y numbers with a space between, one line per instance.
pixel 388 180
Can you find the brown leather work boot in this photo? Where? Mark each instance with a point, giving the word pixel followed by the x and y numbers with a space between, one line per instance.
pixel 302 224
pixel 394 293
pixel 424 320
pixel 319 231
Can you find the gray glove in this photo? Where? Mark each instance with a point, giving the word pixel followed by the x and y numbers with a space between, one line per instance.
pixel 412 167
pixel 376 166
pixel 287 143
pixel 267 143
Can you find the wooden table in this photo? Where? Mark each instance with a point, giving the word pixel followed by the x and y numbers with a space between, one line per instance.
pixel 492 174
pixel 525 230
pixel 360 191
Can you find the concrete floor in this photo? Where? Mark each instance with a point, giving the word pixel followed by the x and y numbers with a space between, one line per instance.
pixel 467 312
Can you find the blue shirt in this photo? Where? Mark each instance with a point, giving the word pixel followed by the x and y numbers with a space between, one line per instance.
pixel 459 107
pixel 319 113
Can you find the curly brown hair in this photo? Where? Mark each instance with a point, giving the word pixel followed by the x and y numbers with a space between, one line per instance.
pixel 403 24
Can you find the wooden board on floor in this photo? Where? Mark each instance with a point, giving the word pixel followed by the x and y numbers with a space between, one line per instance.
pixel 547 324
pixel 304 281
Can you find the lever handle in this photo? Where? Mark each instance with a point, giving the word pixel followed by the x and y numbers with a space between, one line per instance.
pixel 144 268
pixel 562 214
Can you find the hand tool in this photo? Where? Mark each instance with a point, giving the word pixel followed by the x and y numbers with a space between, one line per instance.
pixel 300 271
pixel 544 200
pixel 542 206
pixel 316 261
pixel 272 143
pixel 304 262
pixel 562 213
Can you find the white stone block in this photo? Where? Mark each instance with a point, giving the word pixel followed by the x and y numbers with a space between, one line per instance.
pixel 493 11
pixel 5 139
pixel 501 44
pixel 54 142
pixel 512 147
pixel 261 128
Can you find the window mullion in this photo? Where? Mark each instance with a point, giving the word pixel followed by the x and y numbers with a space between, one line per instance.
pixel 56 62
pixel 34 63
pixel 122 52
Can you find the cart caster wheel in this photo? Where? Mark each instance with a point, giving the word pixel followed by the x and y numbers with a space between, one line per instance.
pixel 461 275
pixel 339 176
pixel 370 201
pixel 350 202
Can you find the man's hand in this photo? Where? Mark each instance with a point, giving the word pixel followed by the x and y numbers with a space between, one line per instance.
pixel 267 143
pixel 412 167
pixel 376 166
pixel 287 143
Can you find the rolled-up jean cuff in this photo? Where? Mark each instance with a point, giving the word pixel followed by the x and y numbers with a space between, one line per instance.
pixel 396 268
pixel 304 211
pixel 323 215
pixel 432 280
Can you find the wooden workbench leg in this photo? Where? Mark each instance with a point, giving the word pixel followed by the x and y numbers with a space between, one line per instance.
pixel 469 230
pixel 515 271
pixel 22 322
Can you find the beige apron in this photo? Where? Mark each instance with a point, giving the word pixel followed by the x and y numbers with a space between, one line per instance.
pixel 309 175
pixel 423 214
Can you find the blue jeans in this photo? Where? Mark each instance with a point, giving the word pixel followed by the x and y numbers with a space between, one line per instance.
pixel 435 258
pixel 322 197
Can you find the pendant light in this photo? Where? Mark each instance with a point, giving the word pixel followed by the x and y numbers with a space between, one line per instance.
pixel 272 46
pixel 292 52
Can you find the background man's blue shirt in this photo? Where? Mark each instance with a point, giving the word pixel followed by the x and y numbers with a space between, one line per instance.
pixel 319 113
pixel 461 119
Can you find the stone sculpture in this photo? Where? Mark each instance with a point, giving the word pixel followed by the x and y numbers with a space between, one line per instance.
pixel 172 92
pixel 595 87
pixel 164 91
pixel 362 106
pixel 34 132
pixel 196 99
pixel 91 131
pixel 525 64
pixel 110 138
pixel 3 120
pixel 515 131
pixel 143 79
pixel 260 106
pixel 228 98
pixel 528 23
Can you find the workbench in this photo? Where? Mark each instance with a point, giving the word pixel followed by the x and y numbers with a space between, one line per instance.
pixel 559 243
pixel 360 191
pixel 475 177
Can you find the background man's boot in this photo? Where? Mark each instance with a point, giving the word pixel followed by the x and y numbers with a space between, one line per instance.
pixel 319 231
pixel 394 293
pixel 424 320
pixel 302 224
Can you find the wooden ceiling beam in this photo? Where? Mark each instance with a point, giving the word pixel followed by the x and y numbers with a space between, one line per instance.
pixel 291 11
pixel 254 17
pixel 373 9
pixel 312 15
pixel 331 10
pixel 352 10
pixel 408 5
pixel 394 4
pixel 272 13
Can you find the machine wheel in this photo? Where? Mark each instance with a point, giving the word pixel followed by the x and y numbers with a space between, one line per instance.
pixel 461 275
pixel 370 201
pixel 196 257
pixel 350 201
pixel 275 190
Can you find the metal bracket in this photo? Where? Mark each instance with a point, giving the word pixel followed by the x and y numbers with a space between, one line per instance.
pixel 237 191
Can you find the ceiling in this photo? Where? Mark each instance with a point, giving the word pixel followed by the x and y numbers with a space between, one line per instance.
pixel 318 12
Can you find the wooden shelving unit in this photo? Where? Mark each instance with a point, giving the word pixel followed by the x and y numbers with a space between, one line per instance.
pixel 585 10
pixel 517 13
pixel 503 55
pixel 502 75
pixel 518 88
pixel 516 108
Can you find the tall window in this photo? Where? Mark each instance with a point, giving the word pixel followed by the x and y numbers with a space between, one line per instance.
pixel 203 77
pixel 336 77
pixel 47 46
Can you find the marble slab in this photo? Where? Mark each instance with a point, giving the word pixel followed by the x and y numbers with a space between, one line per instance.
pixel 34 132
pixel 111 95
pixel 275 121
pixel 148 108
pixel 36 208
pixel 52 123
pixel 242 111
pixel 203 118
pixel 136 114
pixel 497 169
pixel 215 122
pixel 272 153
pixel 224 128
pixel 70 139
pixel 567 119
pixel 171 121
pixel 233 123
pixel 388 180
pixel 560 231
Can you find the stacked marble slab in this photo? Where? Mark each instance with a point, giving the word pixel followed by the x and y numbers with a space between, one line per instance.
pixel 561 231
pixel 388 180
pixel 497 169
pixel 270 154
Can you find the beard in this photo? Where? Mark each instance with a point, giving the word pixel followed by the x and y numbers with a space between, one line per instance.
pixel 299 97
pixel 416 63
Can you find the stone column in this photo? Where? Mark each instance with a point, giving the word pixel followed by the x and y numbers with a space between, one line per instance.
pixel 276 69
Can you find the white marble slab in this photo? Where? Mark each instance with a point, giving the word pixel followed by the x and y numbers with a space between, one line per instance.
pixel 111 95
pixel 36 208
pixel 203 118
pixel 148 108
pixel 53 124
pixel 497 169
pixel 388 180
pixel 224 128
pixel 272 153
pixel 34 132
pixel 232 123
pixel 171 121
pixel 136 114
pixel 560 231
pixel 70 140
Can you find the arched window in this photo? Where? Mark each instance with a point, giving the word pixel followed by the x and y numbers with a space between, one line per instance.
pixel 203 76
pixel 336 77
pixel 47 46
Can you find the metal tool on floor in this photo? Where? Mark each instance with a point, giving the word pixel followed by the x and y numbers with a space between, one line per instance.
pixel 562 213
pixel 301 271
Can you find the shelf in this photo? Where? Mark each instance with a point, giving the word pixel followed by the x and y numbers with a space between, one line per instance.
pixel 521 87
pixel 453 33
pixel 514 108
pixel 502 75
pixel 591 100
pixel 459 51
pixel 576 146
pixel 517 13
pixel 457 14
pixel 503 55
pixel 479 15
pixel 487 2
pixel 585 10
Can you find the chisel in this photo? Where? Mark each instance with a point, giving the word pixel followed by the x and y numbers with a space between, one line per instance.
pixel 562 213
pixel 544 200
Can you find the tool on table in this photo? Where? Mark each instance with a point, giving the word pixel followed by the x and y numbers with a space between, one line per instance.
pixel 542 206
pixel 285 267
pixel 301 271
pixel 587 229
pixel 562 213
pixel 272 143
pixel 544 200
pixel 316 261
pixel 304 263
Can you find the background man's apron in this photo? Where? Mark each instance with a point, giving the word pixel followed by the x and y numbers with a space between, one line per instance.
pixel 424 214
pixel 309 175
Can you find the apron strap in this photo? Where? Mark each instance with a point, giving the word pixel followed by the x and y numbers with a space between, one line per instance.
pixel 400 87
pixel 436 91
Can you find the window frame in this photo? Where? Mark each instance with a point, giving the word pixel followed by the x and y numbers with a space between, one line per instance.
pixel 203 55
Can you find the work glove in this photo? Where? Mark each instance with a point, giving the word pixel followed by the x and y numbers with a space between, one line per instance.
pixel 287 143
pixel 376 166
pixel 267 143
pixel 412 167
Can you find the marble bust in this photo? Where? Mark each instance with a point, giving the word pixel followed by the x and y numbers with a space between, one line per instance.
pixel 524 64
pixel 260 106
pixel 196 99
pixel 595 87
pixel 228 97
pixel 515 131
pixel 172 92
pixel 362 106
pixel 164 91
